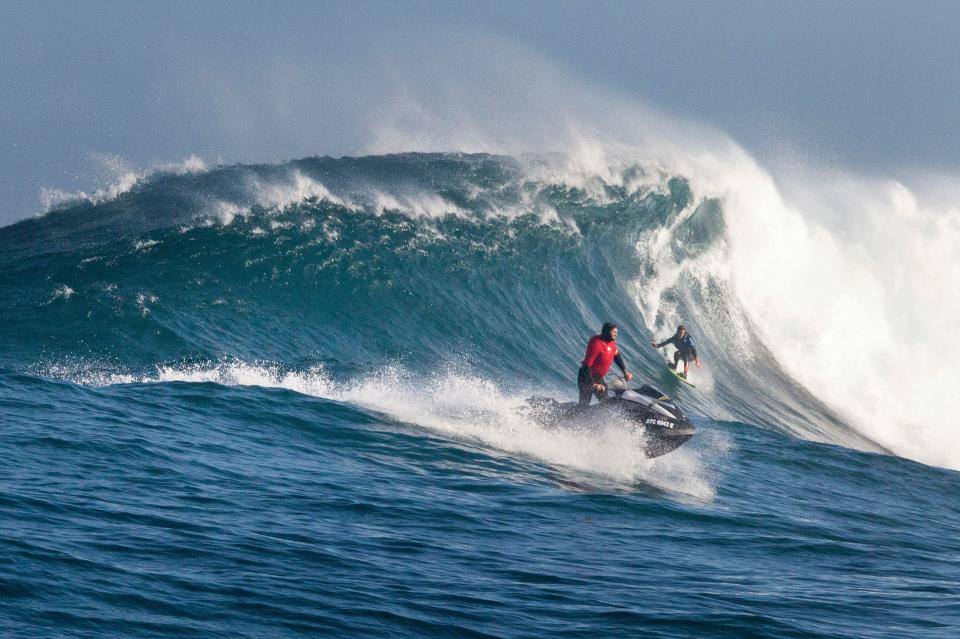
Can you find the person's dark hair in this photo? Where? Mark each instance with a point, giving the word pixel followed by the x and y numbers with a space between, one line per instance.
pixel 606 330
pixel 681 328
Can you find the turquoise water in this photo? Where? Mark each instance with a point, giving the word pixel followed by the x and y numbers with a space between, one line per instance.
pixel 287 400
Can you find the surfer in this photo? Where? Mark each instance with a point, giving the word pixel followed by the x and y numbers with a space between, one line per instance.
pixel 685 349
pixel 601 351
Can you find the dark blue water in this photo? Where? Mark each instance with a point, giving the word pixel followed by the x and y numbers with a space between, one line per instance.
pixel 238 403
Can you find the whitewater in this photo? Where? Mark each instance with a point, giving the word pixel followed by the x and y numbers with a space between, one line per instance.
pixel 288 399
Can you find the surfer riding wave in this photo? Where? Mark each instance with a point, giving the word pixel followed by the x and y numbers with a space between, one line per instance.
pixel 685 349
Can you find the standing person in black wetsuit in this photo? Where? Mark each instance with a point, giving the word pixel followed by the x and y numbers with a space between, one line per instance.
pixel 685 349
pixel 601 351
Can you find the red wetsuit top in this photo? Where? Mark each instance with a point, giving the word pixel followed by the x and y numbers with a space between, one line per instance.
pixel 600 354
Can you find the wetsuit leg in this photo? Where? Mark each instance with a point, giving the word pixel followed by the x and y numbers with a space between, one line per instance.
pixel 676 358
pixel 585 385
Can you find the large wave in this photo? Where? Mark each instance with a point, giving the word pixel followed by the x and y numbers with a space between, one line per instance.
pixel 499 265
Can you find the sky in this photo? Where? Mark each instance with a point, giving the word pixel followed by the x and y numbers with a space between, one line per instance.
pixel 90 88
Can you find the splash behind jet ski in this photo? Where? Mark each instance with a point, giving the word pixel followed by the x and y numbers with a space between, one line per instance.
pixel 665 426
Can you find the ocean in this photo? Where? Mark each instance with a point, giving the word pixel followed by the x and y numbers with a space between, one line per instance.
pixel 288 400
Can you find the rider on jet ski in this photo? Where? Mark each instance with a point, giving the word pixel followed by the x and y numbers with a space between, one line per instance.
pixel 601 351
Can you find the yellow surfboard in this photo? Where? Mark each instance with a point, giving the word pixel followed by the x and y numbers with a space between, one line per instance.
pixel 679 376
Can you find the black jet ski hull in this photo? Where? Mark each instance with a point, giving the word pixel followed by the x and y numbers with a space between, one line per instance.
pixel 660 441
pixel 664 430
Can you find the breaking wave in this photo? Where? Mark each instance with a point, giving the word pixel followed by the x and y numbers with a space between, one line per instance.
pixel 805 305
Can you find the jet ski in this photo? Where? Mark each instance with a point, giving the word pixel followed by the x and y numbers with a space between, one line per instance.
pixel 665 426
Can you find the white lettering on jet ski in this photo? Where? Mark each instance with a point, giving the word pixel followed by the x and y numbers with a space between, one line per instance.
pixel 653 421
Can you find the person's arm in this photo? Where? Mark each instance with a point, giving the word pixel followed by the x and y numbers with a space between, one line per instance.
pixel 696 357
pixel 664 342
pixel 619 362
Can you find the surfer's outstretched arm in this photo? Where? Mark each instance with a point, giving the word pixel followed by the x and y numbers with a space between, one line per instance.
pixel 657 344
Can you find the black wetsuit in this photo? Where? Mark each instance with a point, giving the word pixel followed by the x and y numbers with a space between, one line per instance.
pixel 685 348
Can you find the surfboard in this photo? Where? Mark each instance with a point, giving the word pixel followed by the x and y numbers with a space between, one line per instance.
pixel 679 376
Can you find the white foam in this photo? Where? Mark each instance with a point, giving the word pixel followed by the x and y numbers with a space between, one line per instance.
pixel 424 204
pixel 62 292
pixel 84 374
pixel 857 299
pixel 144 245
pixel 296 190
pixel 51 198
pixel 227 212
pixel 330 232
pixel 191 164
pixel 314 381
pixel 144 298
pixel 275 197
